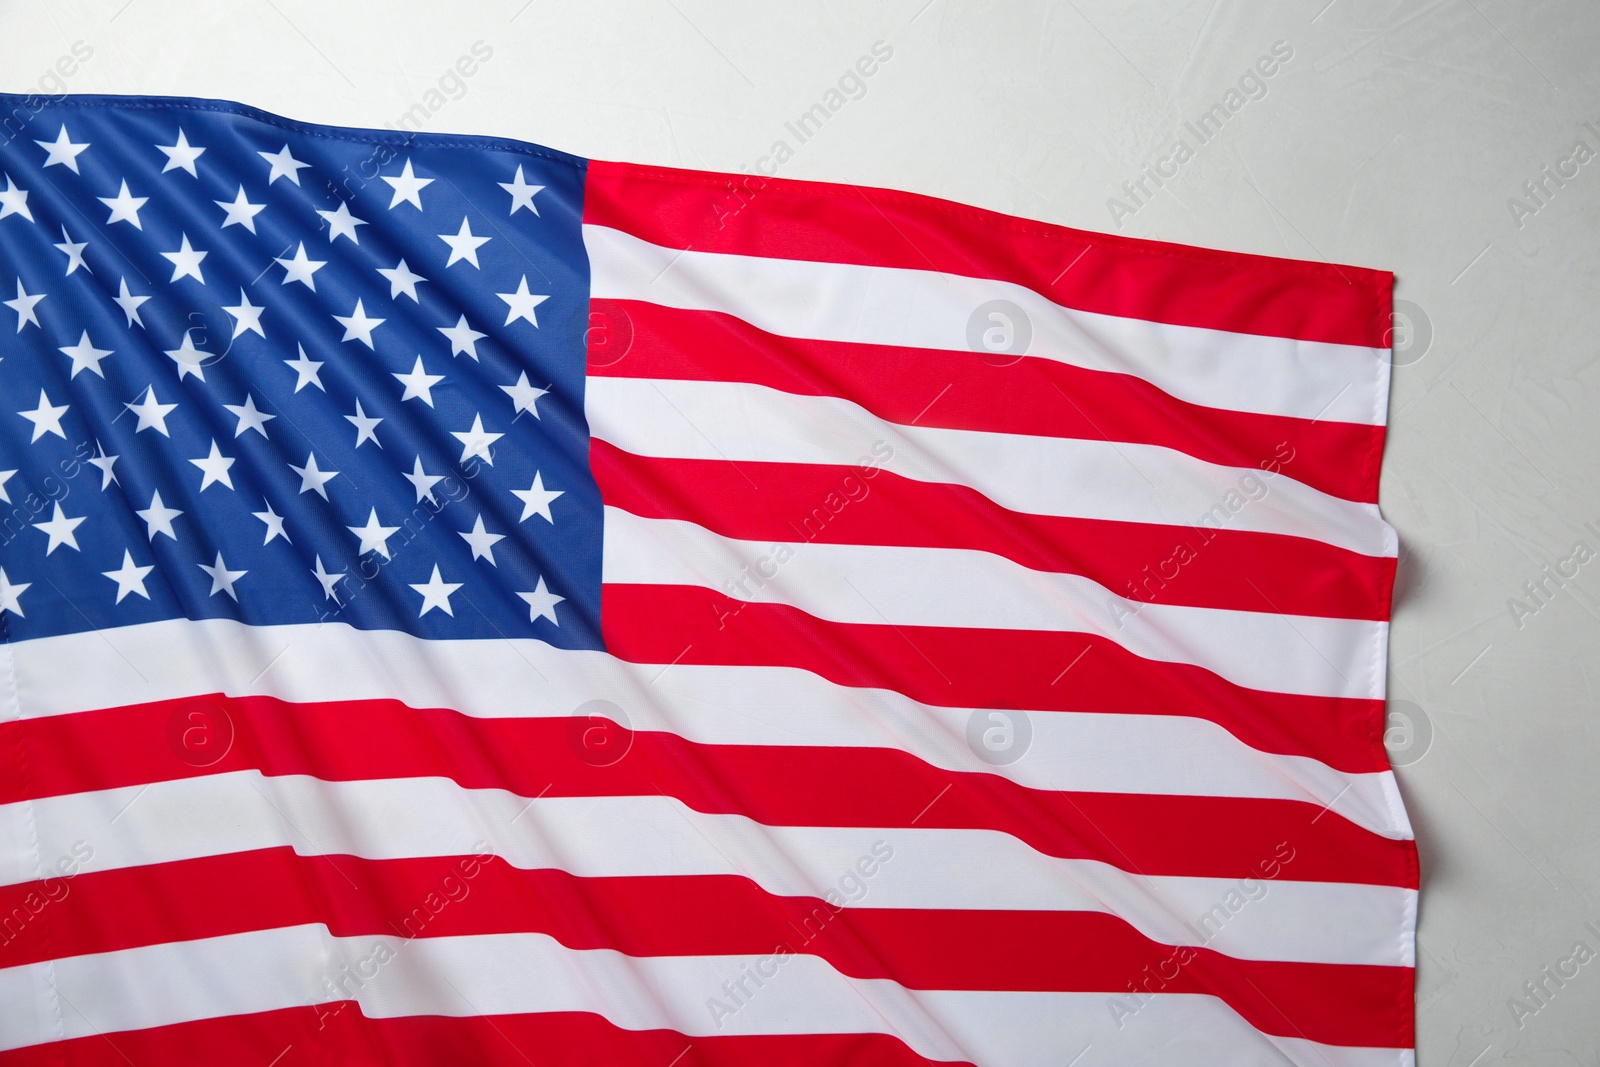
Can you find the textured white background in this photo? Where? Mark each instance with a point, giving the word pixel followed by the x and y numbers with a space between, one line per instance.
pixel 1393 138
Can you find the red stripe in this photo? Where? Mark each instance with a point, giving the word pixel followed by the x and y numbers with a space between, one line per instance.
pixel 962 668
pixel 1216 837
pixel 1195 566
pixel 714 915
pixel 749 215
pixel 963 391
pixel 338 1035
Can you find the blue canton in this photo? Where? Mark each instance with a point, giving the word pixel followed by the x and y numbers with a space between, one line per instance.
pixel 280 373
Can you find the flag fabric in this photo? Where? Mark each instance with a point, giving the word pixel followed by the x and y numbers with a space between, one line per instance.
pixel 463 603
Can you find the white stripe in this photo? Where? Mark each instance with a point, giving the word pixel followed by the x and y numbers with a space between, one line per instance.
pixel 947 587
pixel 735 421
pixel 1089 752
pixel 639 836
pixel 926 309
pixel 506 974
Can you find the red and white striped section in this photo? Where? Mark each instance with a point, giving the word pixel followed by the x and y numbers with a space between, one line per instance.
pixel 425 797
pixel 1160 517
pixel 835 538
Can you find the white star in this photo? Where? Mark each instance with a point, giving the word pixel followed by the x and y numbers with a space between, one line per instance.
pixel 249 416
pixel 402 280
pixel 158 517
pixel 481 540
pixel 521 193
pixel 11 594
pixel 23 305
pixel 6 476
pixel 74 251
pixel 419 384
pixel 342 224
pixel 222 578
pixel 421 480
pixel 521 303
pixel 463 244
pixel 307 369
pixel 435 593
pixel 366 426
pixel 406 187
pixel 129 304
pixel 63 151
pixel 215 468
pixel 129 579
pixel 85 356
pixel 247 317
pixel 45 418
pixel 301 268
pixel 181 155
pixel 536 499
pixel 327 581
pixel 124 206
pixel 186 262
pixel 284 165
pixel 313 480
pixel 107 476
pixel 358 326
pixel 374 535
pixel 463 338
pixel 241 212
pixel 524 396
pixel 14 201
pixel 190 360
pixel 152 412
pixel 60 530
pixel 542 603
pixel 476 441
pixel 274 523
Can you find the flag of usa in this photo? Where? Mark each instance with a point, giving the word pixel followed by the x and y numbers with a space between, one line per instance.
pixel 466 603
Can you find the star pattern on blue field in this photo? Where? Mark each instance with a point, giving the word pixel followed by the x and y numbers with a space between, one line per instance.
pixel 283 374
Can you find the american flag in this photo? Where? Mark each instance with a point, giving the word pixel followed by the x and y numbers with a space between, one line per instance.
pixel 463 603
